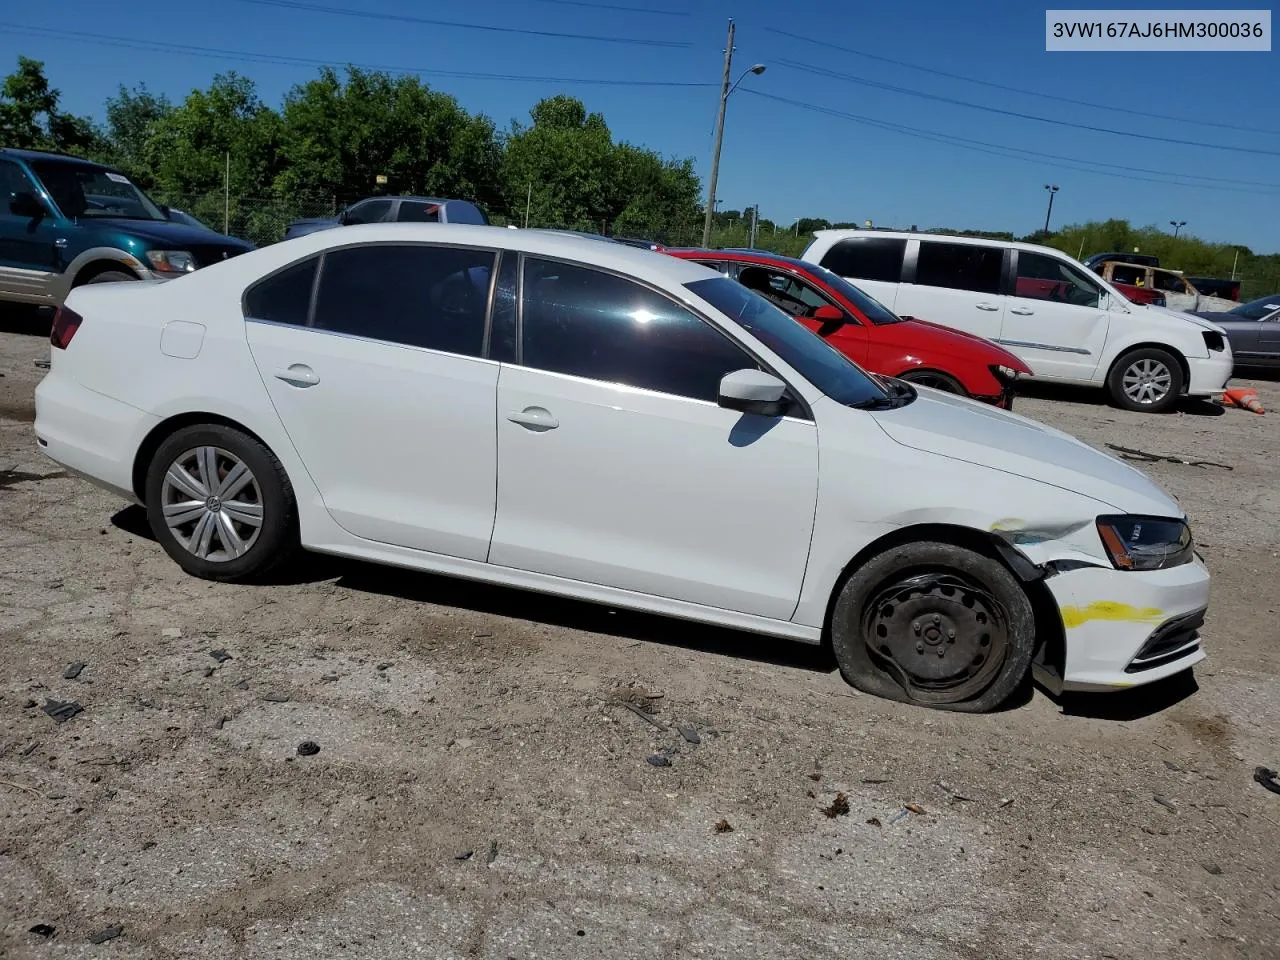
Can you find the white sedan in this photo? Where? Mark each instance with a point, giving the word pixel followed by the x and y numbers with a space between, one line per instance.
pixel 611 424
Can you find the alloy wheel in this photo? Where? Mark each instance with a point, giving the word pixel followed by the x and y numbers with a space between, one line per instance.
pixel 212 504
pixel 1147 381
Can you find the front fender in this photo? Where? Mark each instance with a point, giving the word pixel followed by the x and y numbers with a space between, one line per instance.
pixel 95 255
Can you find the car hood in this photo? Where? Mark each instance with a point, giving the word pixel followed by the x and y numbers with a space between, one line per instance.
pixel 913 332
pixel 1178 316
pixel 980 434
pixel 174 236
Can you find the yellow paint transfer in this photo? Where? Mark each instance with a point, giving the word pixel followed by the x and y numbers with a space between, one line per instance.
pixel 1110 610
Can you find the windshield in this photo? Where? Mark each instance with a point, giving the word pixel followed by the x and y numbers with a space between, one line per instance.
pixel 808 354
pixel 871 308
pixel 1257 309
pixel 82 192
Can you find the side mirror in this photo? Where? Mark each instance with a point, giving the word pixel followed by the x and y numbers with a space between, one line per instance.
pixel 342 218
pixel 753 391
pixel 26 204
pixel 168 213
pixel 829 313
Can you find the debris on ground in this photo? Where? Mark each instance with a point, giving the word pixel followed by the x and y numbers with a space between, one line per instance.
pixel 276 698
pixel 1165 802
pixel 874 821
pixel 875 780
pixel 42 930
pixel 62 711
pixel 1267 778
pixel 73 670
pixel 689 733
pixel 914 808
pixel 171 633
pixel 220 655
pixel 658 760
pixel 1212 869
pixel 464 855
pixel 493 852
pixel 308 748
pixel 1129 453
pixel 643 714
pixel 899 815
pixel 1005 801
pixel 955 795
pixel 102 936
pixel 723 826
pixel 839 807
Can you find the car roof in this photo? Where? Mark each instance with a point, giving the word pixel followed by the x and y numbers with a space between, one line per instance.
pixel 646 265
pixel 740 253
pixel 45 155
pixel 844 234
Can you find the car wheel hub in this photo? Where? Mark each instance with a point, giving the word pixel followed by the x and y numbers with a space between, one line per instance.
pixel 941 637
pixel 1147 381
pixel 212 504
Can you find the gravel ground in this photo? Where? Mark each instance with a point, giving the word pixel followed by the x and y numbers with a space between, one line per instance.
pixel 481 790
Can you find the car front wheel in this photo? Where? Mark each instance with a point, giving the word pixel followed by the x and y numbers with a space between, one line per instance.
pixel 1149 380
pixel 934 624
pixel 220 503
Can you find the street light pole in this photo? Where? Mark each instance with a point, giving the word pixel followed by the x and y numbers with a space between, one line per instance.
pixel 1177 225
pixel 725 90
pixel 1052 188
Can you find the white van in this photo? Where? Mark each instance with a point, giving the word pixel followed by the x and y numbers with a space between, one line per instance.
pixel 1068 324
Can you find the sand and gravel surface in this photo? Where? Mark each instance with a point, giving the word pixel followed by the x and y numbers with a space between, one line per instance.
pixel 481 791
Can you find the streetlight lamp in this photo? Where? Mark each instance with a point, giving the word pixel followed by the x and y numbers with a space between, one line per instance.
pixel 725 90
pixel 1177 225
pixel 1052 188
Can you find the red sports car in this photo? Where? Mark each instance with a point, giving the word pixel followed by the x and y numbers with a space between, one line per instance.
pixel 868 333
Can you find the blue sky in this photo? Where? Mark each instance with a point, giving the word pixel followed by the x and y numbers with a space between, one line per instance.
pixel 792 161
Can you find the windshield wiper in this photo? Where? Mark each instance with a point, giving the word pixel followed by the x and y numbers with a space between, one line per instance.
pixel 900 394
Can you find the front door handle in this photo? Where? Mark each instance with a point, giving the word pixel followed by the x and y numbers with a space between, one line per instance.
pixel 535 418
pixel 298 375
pixel 988 306
pixel 1022 311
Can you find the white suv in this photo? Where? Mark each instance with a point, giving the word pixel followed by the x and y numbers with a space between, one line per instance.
pixel 1066 322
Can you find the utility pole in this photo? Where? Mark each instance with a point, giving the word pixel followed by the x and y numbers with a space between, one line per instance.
pixel 1052 188
pixel 528 201
pixel 226 197
pixel 755 226
pixel 715 157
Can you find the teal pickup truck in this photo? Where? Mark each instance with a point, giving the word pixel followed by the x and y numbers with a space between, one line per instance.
pixel 66 221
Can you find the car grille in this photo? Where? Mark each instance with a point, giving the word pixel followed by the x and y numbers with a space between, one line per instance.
pixel 1172 640
pixel 207 254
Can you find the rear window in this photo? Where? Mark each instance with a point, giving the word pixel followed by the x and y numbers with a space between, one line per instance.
pixel 867 258
pixel 283 297
pixel 960 266
pixel 415 211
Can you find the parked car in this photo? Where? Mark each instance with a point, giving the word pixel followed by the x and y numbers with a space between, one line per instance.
pixel 1065 322
pixel 1217 287
pixel 869 334
pixel 1096 260
pixel 624 427
pixel 181 216
pixel 1254 331
pixel 65 222
pixel 392 210
pixel 1178 292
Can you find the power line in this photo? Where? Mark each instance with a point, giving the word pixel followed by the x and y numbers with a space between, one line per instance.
pixel 246 56
pixel 819 71
pixel 612 6
pixel 1018 153
pixel 459 25
pixel 1147 114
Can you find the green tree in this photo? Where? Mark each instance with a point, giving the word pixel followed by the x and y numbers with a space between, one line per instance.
pixel 132 119
pixel 30 118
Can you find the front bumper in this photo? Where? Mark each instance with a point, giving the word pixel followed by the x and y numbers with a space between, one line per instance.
pixel 1209 375
pixel 1125 629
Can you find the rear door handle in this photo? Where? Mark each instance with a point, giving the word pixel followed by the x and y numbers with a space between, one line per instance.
pixel 298 375
pixel 987 306
pixel 535 418
pixel 1022 311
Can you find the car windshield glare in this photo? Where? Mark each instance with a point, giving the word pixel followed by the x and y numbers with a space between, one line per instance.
pixel 82 192
pixel 808 354
pixel 871 308
pixel 1257 309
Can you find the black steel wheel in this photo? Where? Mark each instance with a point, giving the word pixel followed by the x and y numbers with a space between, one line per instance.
pixel 935 379
pixel 934 624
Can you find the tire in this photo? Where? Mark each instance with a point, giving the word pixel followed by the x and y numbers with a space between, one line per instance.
pixel 266 498
pixel 884 633
pixel 933 378
pixel 1148 380
pixel 112 276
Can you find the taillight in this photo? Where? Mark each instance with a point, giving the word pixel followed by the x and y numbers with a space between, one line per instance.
pixel 65 324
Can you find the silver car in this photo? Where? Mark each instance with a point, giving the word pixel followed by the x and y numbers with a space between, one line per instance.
pixel 1254 331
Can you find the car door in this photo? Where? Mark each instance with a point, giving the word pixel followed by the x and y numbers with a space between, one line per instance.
pixel 30 254
pixel 1054 317
pixel 381 382
pixel 1269 337
pixel 954 284
pixel 616 465
pixel 874 264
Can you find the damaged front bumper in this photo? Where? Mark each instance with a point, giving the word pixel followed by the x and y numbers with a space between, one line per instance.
pixel 1125 628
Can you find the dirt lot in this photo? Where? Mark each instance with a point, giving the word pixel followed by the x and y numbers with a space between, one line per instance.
pixel 480 792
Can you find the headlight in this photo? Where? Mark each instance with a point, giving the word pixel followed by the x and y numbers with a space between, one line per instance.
pixel 1004 374
pixel 1145 543
pixel 171 261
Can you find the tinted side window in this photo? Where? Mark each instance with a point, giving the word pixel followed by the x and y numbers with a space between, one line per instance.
pixel 420 296
pixel 416 211
pixel 1048 278
pixel 371 211
pixel 867 258
pixel 959 266
pixel 284 297
pixel 1170 282
pixel 13 179
pixel 591 324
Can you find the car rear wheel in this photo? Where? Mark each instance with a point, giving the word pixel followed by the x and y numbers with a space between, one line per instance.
pixel 937 380
pixel 934 624
pixel 220 503
pixel 1149 380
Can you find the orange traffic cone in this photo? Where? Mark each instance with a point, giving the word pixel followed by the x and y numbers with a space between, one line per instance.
pixel 1244 398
